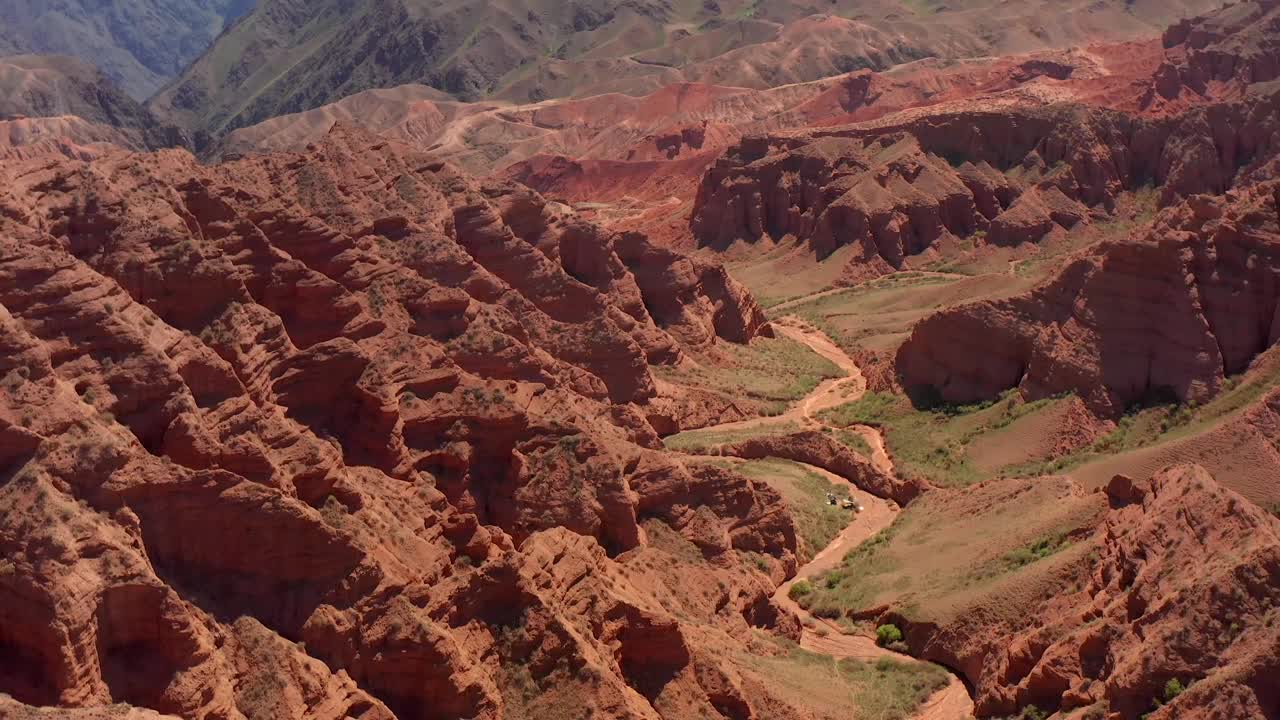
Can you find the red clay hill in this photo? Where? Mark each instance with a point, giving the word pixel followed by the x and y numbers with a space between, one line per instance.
pixel 347 433
pixel 365 422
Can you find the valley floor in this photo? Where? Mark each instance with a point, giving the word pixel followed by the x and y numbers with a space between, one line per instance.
pixel 874 515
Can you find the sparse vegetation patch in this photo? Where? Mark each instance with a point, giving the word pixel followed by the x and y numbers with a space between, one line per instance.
pixel 767 375
pixel 805 493
pixel 885 689
pixel 933 440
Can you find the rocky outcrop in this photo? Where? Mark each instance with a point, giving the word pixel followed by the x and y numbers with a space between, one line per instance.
pixel 1166 313
pixel 888 195
pixel 346 433
pixel 694 299
pixel 1220 55
pixel 820 450
pixel 1001 174
pixel 1165 316
pixel 1141 614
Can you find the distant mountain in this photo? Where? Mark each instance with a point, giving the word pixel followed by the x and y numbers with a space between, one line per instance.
pixel 288 56
pixel 55 96
pixel 141 44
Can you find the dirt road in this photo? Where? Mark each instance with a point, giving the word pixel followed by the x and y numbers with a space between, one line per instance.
pixel 847 389
pixel 822 636
pixel 828 394
pixel 951 702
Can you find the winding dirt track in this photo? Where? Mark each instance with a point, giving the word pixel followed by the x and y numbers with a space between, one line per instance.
pixel 822 636
pixel 846 389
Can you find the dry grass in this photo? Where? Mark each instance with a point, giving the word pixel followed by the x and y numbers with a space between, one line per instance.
pixel 786 272
pixel 937 444
pixel 881 690
pixel 852 440
pixel 696 441
pixel 1033 436
pixel 996 545
pixel 1156 434
pixel 879 315
pixel 768 374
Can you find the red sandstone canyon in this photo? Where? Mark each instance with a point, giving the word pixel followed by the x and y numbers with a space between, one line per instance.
pixel 644 360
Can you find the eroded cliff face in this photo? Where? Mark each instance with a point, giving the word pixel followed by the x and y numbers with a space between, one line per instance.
pixel 1168 314
pixel 1180 304
pixel 1220 55
pixel 1012 167
pixel 1012 175
pixel 1181 582
pixel 345 433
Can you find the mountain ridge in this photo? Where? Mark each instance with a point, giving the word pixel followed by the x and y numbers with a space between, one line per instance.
pixel 140 44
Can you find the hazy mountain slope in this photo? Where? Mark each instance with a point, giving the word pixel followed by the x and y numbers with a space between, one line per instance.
pixel 45 97
pixel 49 85
pixel 288 56
pixel 139 43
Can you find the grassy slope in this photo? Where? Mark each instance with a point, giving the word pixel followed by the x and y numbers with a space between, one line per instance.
pixel 950 551
pixel 852 440
pixel 881 690
pixel 784 272
pixel 702 441
pixel 955 446
pixel 768 374
pixel 879 314
pixel 936 444
pixel 1148 438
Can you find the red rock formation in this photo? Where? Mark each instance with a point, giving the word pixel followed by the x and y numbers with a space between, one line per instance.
pixel 820 450
pixel 1218 56
pixel 62 99
pixel 346 433
pixel 1171 313
pixel 1182 583
pixel 896 185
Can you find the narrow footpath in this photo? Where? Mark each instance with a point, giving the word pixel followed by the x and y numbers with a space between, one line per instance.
pixel 823 636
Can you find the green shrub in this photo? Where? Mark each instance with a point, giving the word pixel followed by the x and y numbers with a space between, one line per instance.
pixel 800 589
pixel 1031 712
pixel 888 634
pixel 1039 550
pixel 1173 689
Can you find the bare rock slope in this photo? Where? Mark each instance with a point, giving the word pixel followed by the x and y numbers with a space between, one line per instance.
pixel 1168 314
pixel 1141 614
pixel 348 434
pixel 532 50
pixel 140 44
